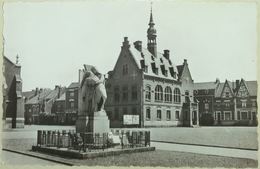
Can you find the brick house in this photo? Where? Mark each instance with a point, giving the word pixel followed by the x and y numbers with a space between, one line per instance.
pixel 229 103
pixel 148 84
pixel 71 102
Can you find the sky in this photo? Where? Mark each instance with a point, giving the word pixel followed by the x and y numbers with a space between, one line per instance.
pixel 54 39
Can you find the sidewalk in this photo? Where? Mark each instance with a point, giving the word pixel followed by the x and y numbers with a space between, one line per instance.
pixel 225 152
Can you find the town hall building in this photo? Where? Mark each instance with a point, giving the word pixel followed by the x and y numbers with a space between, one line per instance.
pixel 148 86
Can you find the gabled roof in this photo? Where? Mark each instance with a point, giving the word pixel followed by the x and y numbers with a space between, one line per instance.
pixel 28 94
pixel 205 85
pixel 62 97
pixel 74 85
pixel 180 69
pixel 39 97
pixel 220 89
pixel 149 60
pixel 252 87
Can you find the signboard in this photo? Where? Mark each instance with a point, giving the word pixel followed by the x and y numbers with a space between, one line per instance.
pixel 131 119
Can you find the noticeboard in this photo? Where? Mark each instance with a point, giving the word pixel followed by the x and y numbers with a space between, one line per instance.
pixel 131 119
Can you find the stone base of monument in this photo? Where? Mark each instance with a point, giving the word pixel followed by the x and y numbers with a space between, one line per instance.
pixel 92 154
pixel 98 123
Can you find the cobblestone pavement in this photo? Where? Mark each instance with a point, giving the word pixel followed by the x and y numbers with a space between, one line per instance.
pixel 23 139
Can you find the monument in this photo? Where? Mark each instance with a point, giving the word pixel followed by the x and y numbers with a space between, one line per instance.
pixel 92 117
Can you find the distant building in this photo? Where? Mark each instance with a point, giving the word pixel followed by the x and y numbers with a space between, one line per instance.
pixel 36 105
pixel 229 103
pixel 72 98
pixel 13 108
pixel 42 103
pixel 59 109
pixel 147 84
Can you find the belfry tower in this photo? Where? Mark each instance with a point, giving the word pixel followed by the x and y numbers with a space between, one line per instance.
pixel 151 36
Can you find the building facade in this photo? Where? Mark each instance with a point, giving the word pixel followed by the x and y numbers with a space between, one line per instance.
pixel 228 103
pixel 41 108
pixel 13 103
pixel 146 84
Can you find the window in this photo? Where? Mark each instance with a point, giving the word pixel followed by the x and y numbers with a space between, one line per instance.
pixel 254 115
pixel 227 115
pixel 125 93
pixel 72 105
pixel 125 69
pixel 71 94
pixel 168 115
pixel 159 114
pixel 238 115
pixel 177 95
pixel 125 110
pixel 168 94
pixel 254 103
pixel 116 94
pixel 227 105
pixel 148 113
pixel 158 93
pixel 134 92
pixel 177 115
pixel 227 94
pixel 148 93
pixel 146 69
pixel 116 114
pixel 243 103
pixel 187 97
pixel 206 106
pixel 249 116
pixel 134 110
pixel 243 115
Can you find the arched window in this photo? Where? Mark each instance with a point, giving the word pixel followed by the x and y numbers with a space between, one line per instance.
pixel 148 93
pixel 168 94
pixel 177 95
pixel 158 93
pixel 187 96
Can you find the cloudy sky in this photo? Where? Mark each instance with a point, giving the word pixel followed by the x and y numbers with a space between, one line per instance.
pixel 54 39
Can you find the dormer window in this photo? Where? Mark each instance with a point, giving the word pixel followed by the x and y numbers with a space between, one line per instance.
pixel 166 73
pixel 227 94
pixel 156 71
pixel 146 69
pixel 161 60
pixel 125 69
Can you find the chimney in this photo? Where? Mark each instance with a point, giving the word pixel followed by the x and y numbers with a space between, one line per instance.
pixel 185 62
pixel 59 91
pixel 166 54
pixel 36 91
pixel 217 81
pixel 237 84
pixel 138 45
pixel 125 43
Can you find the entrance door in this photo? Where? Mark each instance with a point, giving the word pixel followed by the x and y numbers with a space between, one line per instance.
pixel 218 117
pixel 194 117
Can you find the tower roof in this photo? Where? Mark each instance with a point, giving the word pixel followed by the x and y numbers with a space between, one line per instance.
pixel 151 23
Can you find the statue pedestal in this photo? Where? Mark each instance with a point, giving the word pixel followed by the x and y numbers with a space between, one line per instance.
pixel 98 123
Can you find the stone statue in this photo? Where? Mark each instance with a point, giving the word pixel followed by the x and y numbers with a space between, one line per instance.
pixel 92 88
pixel 92 97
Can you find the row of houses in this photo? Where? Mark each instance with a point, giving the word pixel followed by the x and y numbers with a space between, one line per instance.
pixel 228 103
pixel 51 106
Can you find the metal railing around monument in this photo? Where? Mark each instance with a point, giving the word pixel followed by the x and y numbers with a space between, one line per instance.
pixel 92 141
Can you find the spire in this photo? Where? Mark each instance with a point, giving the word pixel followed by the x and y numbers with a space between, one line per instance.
pixel 151 35
pixel 151 23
